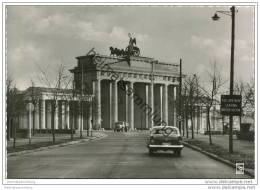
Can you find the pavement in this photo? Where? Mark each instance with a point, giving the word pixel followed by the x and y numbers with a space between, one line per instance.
pixel 39 140
pixel 116 156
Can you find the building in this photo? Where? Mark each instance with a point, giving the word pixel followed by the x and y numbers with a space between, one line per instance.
pixel 67 114
pixel 124 86
pixel 138 90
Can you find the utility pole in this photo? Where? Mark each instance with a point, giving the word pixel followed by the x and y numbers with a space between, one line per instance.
pixel 215 18
pixel 180 98
pixel 232 76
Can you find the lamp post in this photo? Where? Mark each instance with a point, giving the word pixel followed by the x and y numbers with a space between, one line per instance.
pixel 215 18
pixel 81 103
pixel 180 98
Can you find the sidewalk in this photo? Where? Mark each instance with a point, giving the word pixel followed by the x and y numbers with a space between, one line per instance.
pixel 240 146
pixel 44 140
pixel 244 151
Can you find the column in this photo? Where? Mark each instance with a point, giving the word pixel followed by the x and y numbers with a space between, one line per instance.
pixel 29 122
pixel 67 125
pixel 126 104
pixel 110 106
pixel 78 115
pixel 49 110
pixel 195 119
pixel 98 103
pixel 25 120
pixel 151 104
pixel 56 118
pixel 36 116
pixel 204 120
pixel 43 114
pixel 63 124
pixel 175 106
pixel 214 118
pixel 72 114
pixel 90 115
pixel 147 110
pixel 82 115
pixel 131 106
pixel 161 103
pixel 165 103
pixel 115 103
pixel 199 117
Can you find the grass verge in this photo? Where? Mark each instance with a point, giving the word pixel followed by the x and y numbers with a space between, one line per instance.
pixel 36 145
pixel 236 157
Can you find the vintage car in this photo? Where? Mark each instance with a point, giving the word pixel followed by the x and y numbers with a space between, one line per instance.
pixel 121 126
pixel 165 138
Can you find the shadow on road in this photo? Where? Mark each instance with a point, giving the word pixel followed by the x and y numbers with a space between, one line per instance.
pixel 162 155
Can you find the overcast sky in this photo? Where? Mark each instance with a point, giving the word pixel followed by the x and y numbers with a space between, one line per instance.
pixel 50 35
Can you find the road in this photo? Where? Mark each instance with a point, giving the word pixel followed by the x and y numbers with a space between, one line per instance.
pixel 119 155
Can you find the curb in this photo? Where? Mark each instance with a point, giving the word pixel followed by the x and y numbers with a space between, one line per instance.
pixel 215 157
pixel 57 145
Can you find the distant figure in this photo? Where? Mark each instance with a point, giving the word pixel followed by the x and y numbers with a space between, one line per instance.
pixel 132 42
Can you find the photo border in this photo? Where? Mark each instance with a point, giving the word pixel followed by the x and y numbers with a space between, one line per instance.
pixel 98 181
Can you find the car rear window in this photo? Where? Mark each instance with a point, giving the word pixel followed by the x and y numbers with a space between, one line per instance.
pixel 171 131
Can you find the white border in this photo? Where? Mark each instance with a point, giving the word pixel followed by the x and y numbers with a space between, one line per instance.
pixel 122 181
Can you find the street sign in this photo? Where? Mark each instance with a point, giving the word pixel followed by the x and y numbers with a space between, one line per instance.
pixel 231 105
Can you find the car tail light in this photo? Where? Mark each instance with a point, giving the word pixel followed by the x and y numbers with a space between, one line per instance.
pixel 180 138
pixel 152 141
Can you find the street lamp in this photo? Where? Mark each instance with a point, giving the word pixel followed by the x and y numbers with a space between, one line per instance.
pixel 215 18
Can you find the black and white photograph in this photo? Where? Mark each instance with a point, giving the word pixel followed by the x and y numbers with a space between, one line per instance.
pixel 129 93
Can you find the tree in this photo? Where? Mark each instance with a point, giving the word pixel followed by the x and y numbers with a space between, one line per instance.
pixel 34 99
pixel 250 97
pixel 15 105
pixel 246 90
pixel 208 96
pixel 57 88
pixel 191 88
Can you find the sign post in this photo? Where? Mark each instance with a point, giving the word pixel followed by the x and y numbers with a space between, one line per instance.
pixel 231 106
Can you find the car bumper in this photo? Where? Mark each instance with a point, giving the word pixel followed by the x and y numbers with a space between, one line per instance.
pixel 165 146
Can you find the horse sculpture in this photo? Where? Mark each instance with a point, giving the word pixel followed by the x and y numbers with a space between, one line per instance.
pixel 131 49
pixel 117 52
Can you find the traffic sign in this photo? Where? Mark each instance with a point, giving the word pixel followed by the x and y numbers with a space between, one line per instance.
pixel 231 105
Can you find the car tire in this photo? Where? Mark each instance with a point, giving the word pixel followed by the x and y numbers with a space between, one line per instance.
pixel 151 152
pixel 177 153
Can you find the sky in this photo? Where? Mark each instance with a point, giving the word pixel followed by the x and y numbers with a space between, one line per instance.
pixel 47 36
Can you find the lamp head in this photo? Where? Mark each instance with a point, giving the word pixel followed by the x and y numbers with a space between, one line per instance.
pixel 215 17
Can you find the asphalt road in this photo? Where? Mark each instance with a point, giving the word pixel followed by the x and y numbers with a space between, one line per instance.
pixel 119 155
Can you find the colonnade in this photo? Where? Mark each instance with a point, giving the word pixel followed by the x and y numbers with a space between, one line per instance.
pixel 132 99
pixel 67 114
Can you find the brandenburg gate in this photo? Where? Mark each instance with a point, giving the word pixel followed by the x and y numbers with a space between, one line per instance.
pixel 124 86
pixel 139 90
